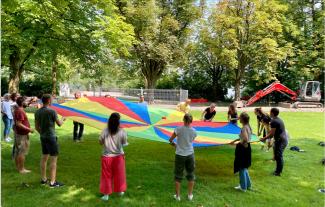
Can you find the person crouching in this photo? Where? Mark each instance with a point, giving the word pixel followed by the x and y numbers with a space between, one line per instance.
pixel 243 153
pixel 184 157
pixel 113 138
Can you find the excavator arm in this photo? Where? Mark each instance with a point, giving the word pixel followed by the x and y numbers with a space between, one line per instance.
pixel 275 86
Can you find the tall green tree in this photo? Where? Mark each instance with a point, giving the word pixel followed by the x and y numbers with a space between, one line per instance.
pixel 48 29
pixel 162 28
pixel 255 28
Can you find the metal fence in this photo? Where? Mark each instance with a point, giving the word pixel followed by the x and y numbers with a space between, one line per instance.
pixel 168 96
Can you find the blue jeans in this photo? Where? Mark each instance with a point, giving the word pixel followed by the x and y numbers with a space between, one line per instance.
pixel 244 179
pixel 8 124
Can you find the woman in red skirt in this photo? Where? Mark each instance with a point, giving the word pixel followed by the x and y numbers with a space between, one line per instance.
pixel 113 138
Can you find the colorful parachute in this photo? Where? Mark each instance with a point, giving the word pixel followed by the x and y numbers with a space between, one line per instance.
pixel 143 121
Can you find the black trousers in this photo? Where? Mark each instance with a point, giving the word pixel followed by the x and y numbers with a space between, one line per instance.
pixel 77 134
pixel 278 148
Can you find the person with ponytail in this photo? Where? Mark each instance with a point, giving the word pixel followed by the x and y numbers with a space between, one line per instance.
pixel 113 177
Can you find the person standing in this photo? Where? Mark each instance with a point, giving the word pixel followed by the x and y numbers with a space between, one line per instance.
pixel 21 130
pixel 113 138
pixel 78 128
pixel 277 131
pixel 243 153
pixel 7 117
pixel 209 113
pixel 45 120
pixel 184 156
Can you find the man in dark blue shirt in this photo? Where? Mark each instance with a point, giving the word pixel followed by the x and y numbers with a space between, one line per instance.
pixel 280 139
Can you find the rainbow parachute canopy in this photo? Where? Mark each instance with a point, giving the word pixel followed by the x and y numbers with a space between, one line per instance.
pixel 143 121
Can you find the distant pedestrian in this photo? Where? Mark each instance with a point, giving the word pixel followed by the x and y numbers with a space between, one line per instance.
pixel 209 113
pixel 232 114
pixel 7 117
pixel 184 106
pixel 78 128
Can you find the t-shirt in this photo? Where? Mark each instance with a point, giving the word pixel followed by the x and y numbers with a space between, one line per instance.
pixel 20 115
pixel 46 118
pixel 248 130
pixel 185 137
pixel 184 107
pixel 278 124
pixel 6 109
pixel 113 145
pixel 208 114
pixel 233 116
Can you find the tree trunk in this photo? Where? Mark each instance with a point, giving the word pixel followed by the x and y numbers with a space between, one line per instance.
pixel 15 71
pixel 237 89
pixel 54 74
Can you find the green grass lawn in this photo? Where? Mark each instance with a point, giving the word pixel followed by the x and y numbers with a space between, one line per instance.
pixel 150 172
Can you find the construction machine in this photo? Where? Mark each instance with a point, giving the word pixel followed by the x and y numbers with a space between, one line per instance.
pixel 309 94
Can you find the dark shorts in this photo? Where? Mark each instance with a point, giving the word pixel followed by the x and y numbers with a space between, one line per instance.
pixel 187 163
pixel 50 146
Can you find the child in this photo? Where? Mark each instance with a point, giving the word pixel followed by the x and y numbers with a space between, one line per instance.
pixel 243 153
pixel 113 138
pixel 184 157
pixel 266 123
pixel 232 114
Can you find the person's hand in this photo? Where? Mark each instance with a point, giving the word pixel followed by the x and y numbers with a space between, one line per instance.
pixel 172 144
pixel 232 142
pixel 262 139
pixel 31 130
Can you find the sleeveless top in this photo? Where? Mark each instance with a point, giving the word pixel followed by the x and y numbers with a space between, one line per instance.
pixel 248 130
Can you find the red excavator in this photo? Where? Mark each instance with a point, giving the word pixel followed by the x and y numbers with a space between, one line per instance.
pixel 309 94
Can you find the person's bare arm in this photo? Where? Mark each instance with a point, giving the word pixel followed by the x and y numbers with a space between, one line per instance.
pixel 269 135
pixel 171 139
pixel 20 125
pixel 60 122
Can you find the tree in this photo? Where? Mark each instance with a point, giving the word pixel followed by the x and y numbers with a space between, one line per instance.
pixel 161 28
pixel 78 29
pixel 258 29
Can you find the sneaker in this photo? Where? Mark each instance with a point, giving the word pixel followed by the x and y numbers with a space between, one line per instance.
pixel 276 174
pixel 43 182
pixel 177 198
pixel 190 197
pixel 121 194
pixel 8 139
pixel 105 197
pixel 56 184
pixel 239 188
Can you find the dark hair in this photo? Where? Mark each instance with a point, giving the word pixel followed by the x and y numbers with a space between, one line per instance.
pixel 232 109
pixel 113 123
pixel 13 96
pixel 20 101
pixel 275 111
pixel 266 119
pixel 244 117
pixel 259 110
pixel 46 98
pixel 188 118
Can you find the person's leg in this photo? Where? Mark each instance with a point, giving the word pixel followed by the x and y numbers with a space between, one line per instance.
pixel 43 164
pixel 75 130
pixel 179 169
pixel 248 179
pixel 6 126
pixel 81 130
pixel 242 179
pixel 190 167
pixel 118 172
pixel 53 164
pixel 278 158
pixel 106 176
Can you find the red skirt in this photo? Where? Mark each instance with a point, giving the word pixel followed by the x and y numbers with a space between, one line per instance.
pixel 113 178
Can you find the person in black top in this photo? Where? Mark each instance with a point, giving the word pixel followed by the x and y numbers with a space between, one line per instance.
pixel 232 114
pixel 78 128
pixel 209 113
pixel 260 115
pixel 280 139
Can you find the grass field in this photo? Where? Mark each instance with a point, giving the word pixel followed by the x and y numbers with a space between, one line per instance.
pixel 150 172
